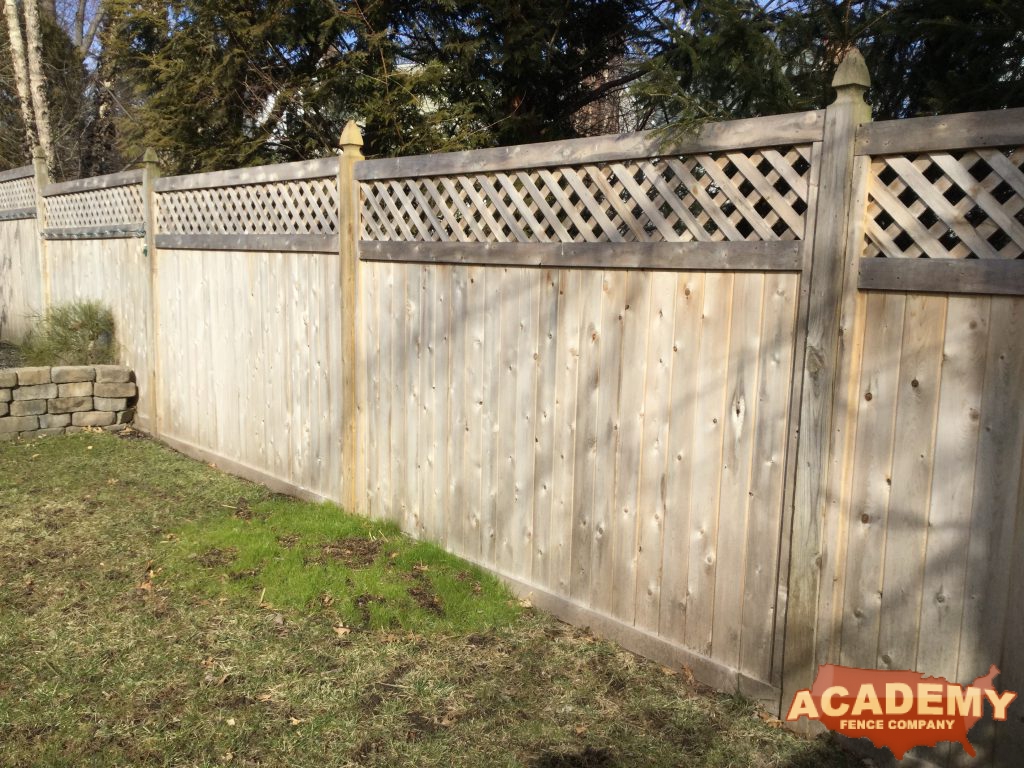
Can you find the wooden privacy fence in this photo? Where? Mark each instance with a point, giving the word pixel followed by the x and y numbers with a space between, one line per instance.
pixel 747 402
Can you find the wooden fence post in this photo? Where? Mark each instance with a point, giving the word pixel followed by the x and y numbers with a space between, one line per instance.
pixel 348 237
pixel 42 179
pixel 151 172
pixel 829 284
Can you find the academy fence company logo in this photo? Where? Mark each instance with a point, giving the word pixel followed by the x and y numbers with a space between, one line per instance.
pixel 898 709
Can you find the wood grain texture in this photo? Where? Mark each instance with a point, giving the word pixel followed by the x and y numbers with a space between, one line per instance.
pixel 21 288
pixel 239 327
pixel 591 438
pixel 920 134
pixel 116 273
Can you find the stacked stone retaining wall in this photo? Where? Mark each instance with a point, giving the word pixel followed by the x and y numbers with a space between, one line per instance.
pixel 63 399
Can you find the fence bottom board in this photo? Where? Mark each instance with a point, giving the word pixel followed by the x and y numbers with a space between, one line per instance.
pixel 658 649
pixel 241 469
pixel 970 276
pixel 705 670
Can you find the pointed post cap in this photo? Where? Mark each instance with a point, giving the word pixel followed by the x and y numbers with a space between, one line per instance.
pixel 852 71
pixel 150 156
pixel 351 139
pixel 37 153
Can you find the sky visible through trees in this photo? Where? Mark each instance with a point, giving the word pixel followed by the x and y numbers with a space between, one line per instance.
pixel 213 85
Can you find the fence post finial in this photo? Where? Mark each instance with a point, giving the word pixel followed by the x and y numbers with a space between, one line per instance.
pixel 150 156
pixel 852 76
pixel 351 140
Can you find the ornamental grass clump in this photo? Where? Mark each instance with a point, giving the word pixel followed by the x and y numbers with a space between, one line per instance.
pixel 76 333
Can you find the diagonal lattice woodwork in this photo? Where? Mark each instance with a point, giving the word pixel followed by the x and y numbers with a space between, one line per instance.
pixel 17 194
pixel 301 207
pixel 112 207
pixel 731 196
pixel 947 205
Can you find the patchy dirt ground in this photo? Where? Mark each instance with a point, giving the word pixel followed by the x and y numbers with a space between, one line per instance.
pixel 10 356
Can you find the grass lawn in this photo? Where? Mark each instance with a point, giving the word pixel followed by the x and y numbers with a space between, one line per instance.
pixel 155 611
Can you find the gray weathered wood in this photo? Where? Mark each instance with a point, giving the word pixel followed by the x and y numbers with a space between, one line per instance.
pixel 101 232
pixel 755 255
pixel 261 174
pixel 264 243
pixel 24 172
pixel 923 134
pixel 17 213
pixel 982 276
pixel 111 180
pixel 819 366
pixel 776 130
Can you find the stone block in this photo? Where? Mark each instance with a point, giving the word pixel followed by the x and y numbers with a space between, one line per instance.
pixel 4 409
pixel 109 403
pixel 126 416
pixel 92 419
pixel 78 389
pixel 69 374
pixel 112 374
pixel 48 432
pixel 5 395
pixel 6 437
pixel 115 428
pixel 35 391
pixel 124 389
pixel 10 424
pixel 73 430
pixel 70 404
pixel 8 378
pixel 28 407
pixel 54 420
pixel 29 376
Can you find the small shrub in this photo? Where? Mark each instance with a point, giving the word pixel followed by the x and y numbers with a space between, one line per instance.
pixel 77 333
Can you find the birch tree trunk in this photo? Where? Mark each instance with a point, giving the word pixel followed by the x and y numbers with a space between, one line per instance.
pixel 20 71
pixel 37 79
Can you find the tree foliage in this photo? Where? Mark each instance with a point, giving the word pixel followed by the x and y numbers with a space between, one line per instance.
pixel 213 85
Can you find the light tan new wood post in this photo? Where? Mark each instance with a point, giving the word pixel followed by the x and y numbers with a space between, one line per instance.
pixel 829 264
pixel 150 173
pixel 348 238
pixel 42 179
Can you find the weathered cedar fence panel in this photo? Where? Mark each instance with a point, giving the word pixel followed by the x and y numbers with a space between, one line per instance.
pixel 579 359
pixel 247 300
pixel 924 504
pixel 21 284
pixel 749 402
pixel 95 248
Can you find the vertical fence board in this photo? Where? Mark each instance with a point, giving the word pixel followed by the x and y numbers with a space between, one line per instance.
pixel 653 502
pixel 687 341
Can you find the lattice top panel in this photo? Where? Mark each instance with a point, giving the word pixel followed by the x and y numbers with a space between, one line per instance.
pixel 114 207
pixel 739 195
pixel 301 207
pixel 947 205
pixel 18 193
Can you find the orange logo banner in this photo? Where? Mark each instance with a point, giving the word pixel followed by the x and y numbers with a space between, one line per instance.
pixel 898 709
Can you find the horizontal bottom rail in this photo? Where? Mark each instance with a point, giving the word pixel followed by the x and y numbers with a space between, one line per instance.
pixel 726 256
pixel 977 276
pixel 99 232
pixel 263 243
pixel 17 213
pixel 241 469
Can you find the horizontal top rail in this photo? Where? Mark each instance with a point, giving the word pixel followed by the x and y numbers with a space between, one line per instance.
pixel 110 181
pixel 799 127
pixel 17 173
pixel 260 174
pixel 924 134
